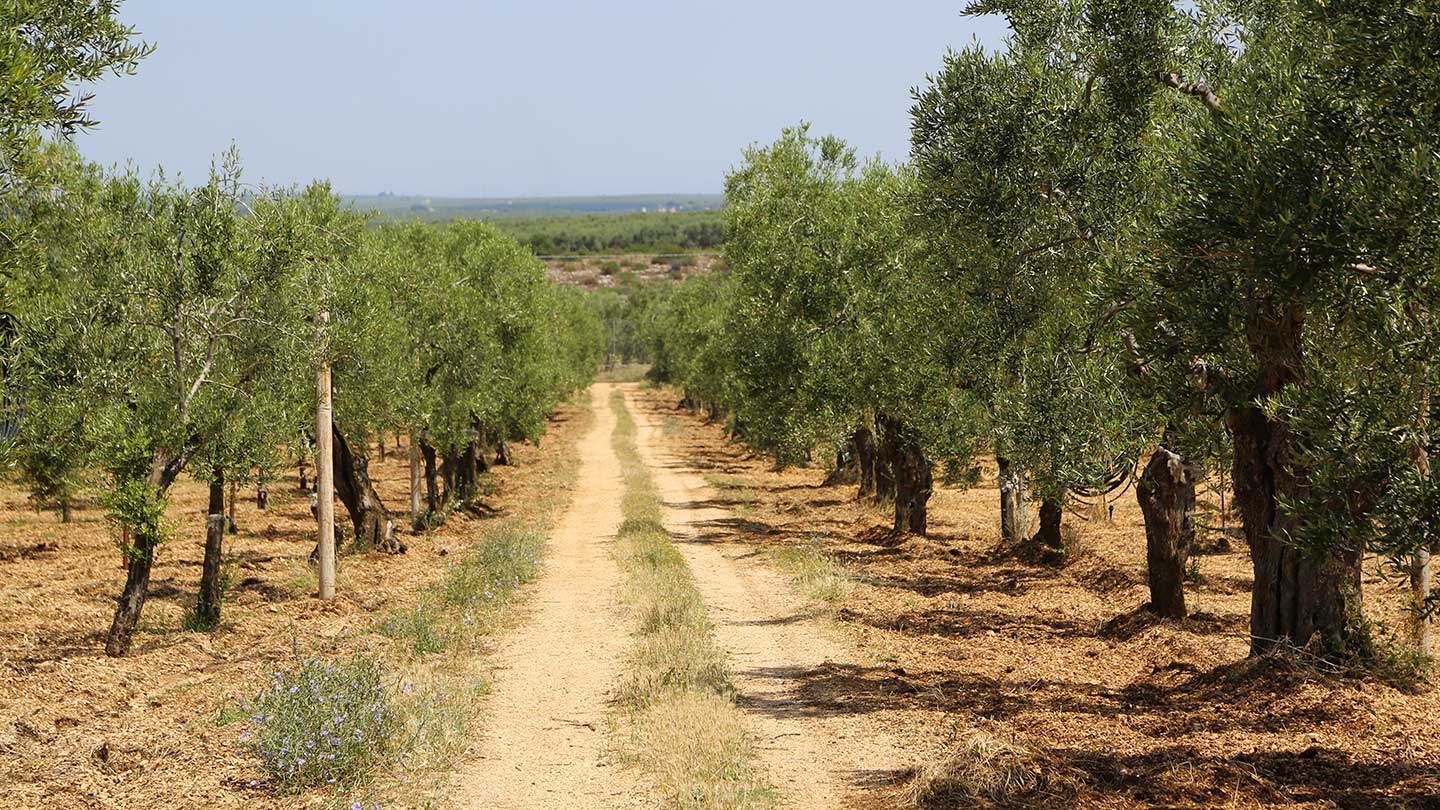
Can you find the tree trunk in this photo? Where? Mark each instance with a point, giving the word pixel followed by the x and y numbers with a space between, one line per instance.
pixel 1014 514
pixel 913 477
pixel 66 511
pixel 414 482
pixel 207 608
pixel 449 476
pixel 1298 595
pixel 164 469
pixel 1166 493
pixel 883 466
pixel 234 492
pixel 847 465
pixel 432 485
pixel 1420 564
pixel 1048 536
pixel 864 442
pixel 471 463
pixel 1420 586
pixel 502 454
pixel 371 521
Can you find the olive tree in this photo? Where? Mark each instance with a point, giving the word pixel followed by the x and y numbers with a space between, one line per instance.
pixel 1293 285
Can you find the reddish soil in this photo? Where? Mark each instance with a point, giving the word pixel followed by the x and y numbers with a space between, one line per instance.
pixel 80 730
pixel 1135 714
pixel 592 272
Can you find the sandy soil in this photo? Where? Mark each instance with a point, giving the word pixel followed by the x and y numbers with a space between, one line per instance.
pixel 814 758
pixel 1126 712
pixel 80 730
pixel 543 743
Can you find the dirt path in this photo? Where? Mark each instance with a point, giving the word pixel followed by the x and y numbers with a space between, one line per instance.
pixel 815 758
pixel 544 736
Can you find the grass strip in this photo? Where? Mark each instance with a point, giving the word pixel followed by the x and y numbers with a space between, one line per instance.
pixel 676 701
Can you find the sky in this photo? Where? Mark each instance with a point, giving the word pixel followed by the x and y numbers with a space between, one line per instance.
pixel 514 98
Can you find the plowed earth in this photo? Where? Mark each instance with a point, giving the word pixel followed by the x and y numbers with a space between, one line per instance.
pixel 1125 712
pixel 158 728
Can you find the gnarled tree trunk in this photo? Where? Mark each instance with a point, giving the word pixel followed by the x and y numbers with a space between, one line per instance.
pixel 207 607
pixel 1166 493
pixel 1048 536
pixel 1014 514
pixel 1298 594
pixel 884 468
pixel 371 520
pixel 502 453
pixel 913 476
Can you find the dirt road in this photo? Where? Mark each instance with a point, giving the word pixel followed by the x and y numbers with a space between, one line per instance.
pixel 815 759
pixel 544 734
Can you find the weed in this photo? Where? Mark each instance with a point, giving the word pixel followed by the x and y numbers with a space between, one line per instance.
pixel 1378 651
pixel 464 604
pixel 714 768
pixel 1192 572
pixel 300 579
pixel 418 627
pixel 227 713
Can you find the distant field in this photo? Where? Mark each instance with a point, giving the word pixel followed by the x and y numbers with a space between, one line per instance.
pixel 576 226
pixel 695 231
pixel 391 206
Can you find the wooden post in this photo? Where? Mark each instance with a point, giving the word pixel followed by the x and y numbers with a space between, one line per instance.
pixel 325 470
pixel 414 481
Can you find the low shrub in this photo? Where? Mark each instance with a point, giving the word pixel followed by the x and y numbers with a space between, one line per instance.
pixel 322 723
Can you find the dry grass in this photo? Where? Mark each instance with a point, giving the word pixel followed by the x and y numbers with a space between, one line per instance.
pixel 679 719
pixel 980 766
pixel 820 576
pixel 699 753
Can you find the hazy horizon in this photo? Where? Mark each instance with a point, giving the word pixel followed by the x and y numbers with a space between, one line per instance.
pixel 450 99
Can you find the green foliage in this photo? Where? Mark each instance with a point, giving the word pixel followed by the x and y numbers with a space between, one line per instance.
pixel 454 331
pixel 47 47
pixel 133 505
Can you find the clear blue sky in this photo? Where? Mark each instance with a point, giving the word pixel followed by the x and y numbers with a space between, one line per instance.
pixel 512 98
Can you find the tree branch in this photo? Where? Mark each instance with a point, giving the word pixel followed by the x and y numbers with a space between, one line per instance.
pixel 1199 90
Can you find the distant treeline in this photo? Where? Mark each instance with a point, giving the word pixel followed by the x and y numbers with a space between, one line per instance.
pixel 619 233
pixel 443 209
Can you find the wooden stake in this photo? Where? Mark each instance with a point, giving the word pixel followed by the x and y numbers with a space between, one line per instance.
pixel 325 471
